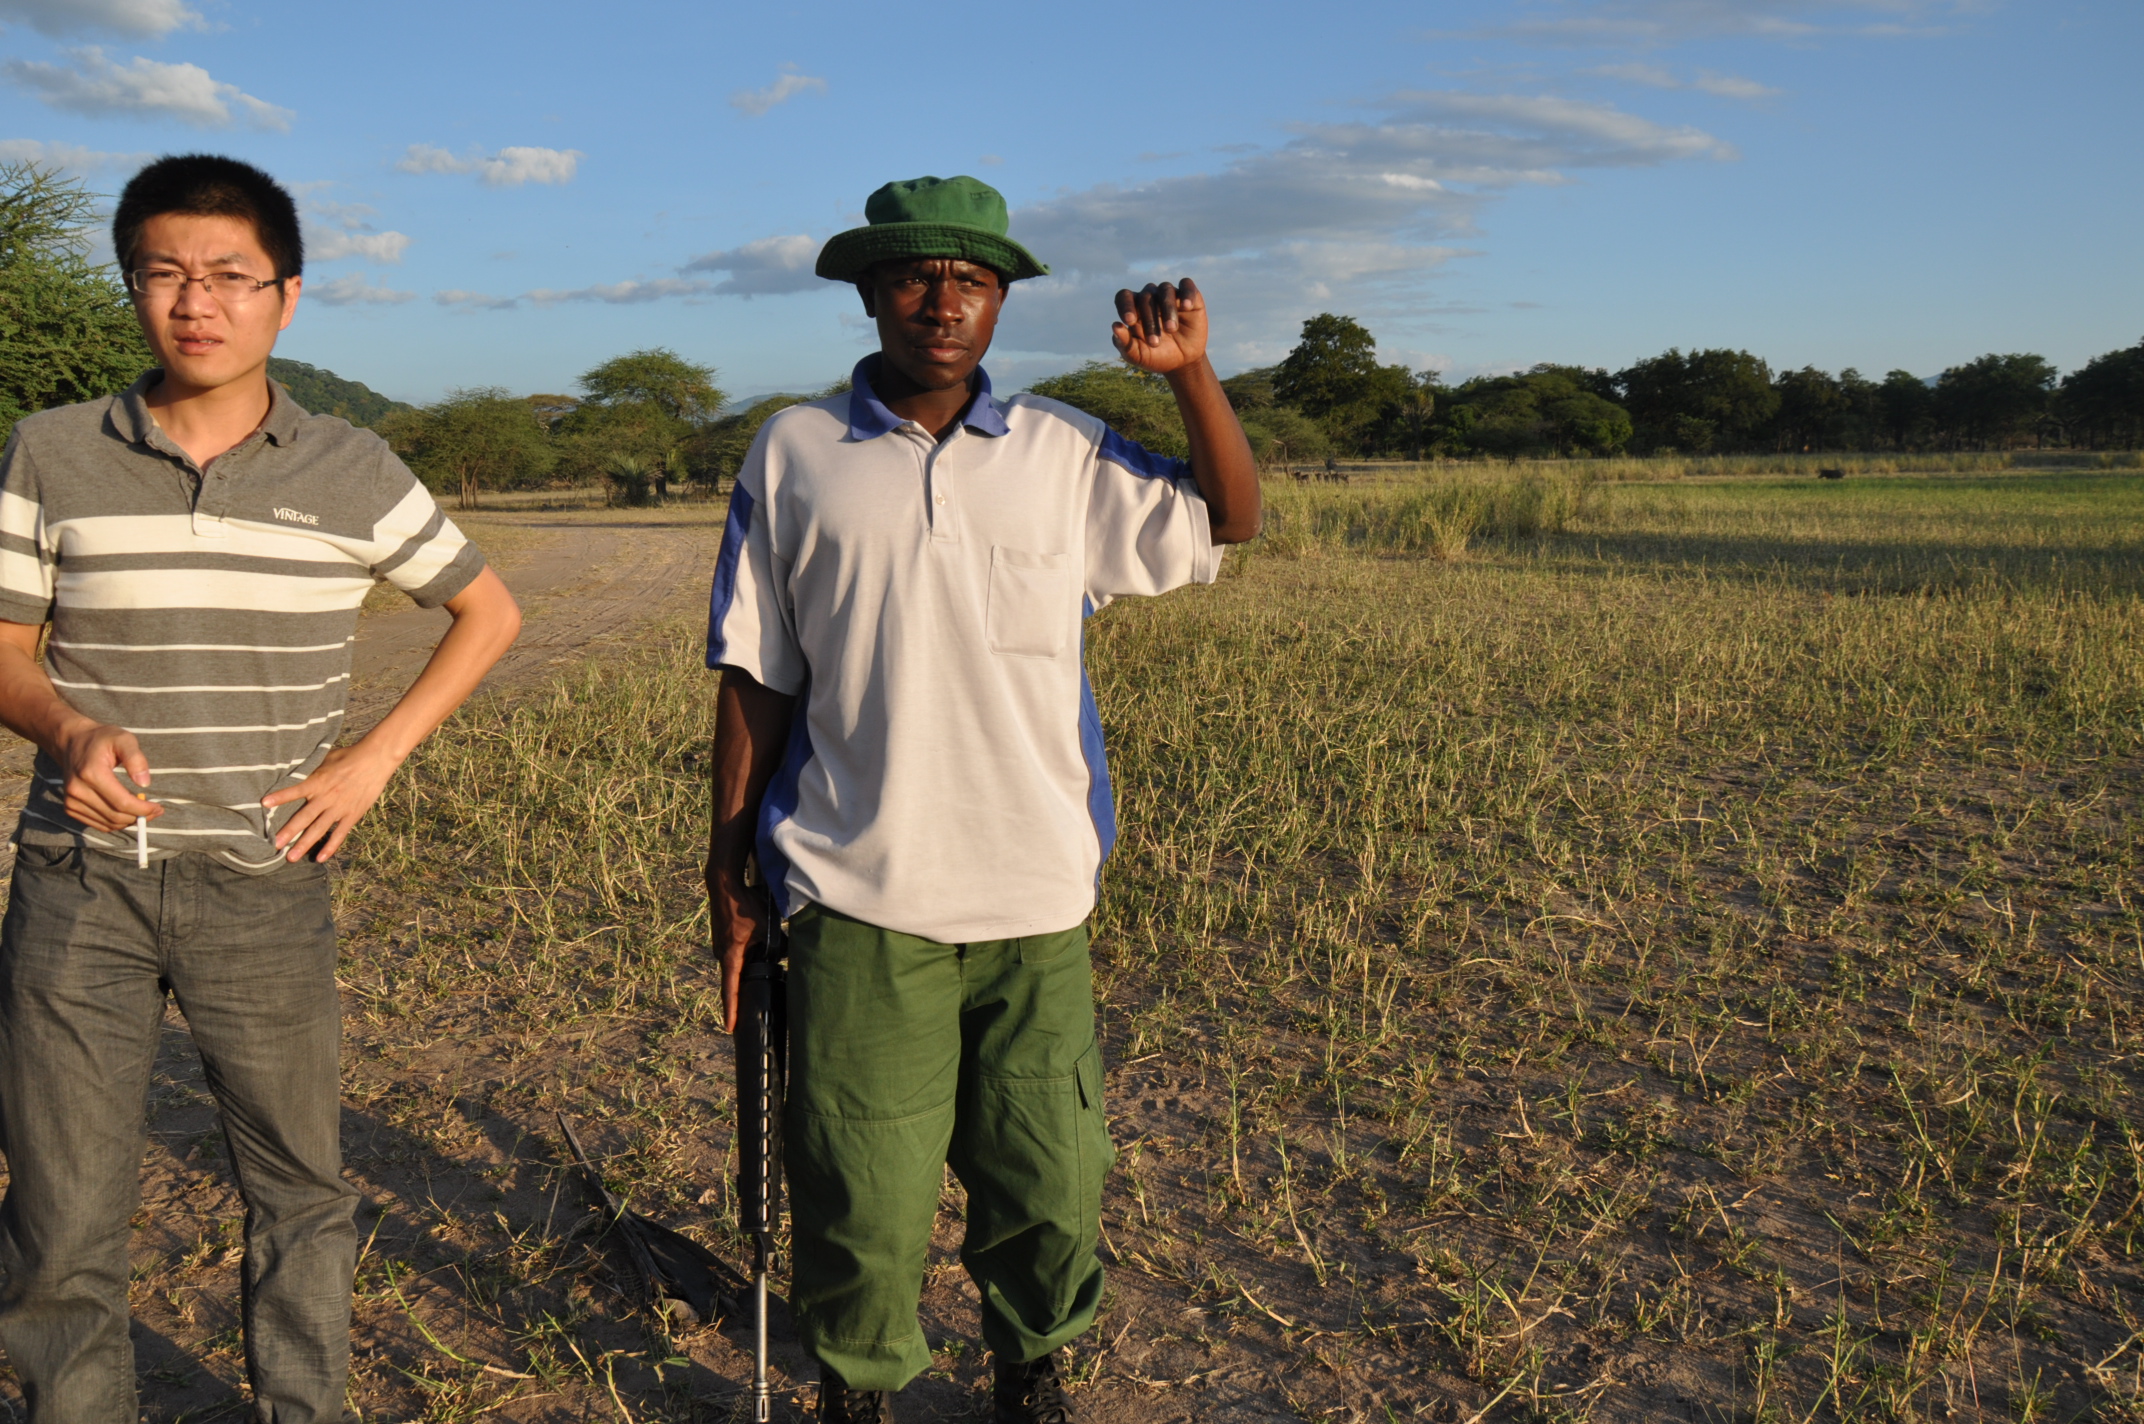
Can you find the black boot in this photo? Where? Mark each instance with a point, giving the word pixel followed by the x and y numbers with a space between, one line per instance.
pixel 838 1404
pixel 1033 1393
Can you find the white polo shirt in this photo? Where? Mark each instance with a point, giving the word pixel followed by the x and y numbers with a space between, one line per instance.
pixel 945 777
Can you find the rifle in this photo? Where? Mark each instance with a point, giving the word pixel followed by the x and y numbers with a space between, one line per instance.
pixel 762 1042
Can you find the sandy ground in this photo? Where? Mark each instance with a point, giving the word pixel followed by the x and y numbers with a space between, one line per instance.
pixel 585 580
pixel 579 583
pixel 582 578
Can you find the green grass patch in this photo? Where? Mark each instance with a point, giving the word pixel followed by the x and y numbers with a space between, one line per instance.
pixel 1676 954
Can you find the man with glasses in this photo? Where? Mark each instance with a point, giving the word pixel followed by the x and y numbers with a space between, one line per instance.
pixel 199 546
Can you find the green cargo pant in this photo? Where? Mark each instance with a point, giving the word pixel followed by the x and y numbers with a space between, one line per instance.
pixel 905 1055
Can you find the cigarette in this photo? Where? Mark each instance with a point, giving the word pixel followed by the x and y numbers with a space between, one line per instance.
pixel 141 831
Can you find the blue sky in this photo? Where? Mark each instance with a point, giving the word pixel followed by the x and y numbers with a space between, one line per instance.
pixel 505 195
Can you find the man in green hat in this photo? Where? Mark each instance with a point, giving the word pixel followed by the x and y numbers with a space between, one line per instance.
pixel 907 742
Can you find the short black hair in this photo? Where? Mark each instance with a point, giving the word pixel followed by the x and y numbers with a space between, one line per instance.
pixel 209 185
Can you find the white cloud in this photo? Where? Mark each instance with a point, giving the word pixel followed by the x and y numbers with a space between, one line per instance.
pixel 334 231
pixel 355 290
pixel 781 91
pixel 1402 179
pixel 613 293
pixel 515 166
pixel 72 157
pixel 475 301
pixel 1349 216
pixel 1259 298
pixel 1531 133
pixel 763 267
pixel 508 168
pixel 621 293
pixel 1725 86
pixel 372 246
pixel 430 158
pixel 92 84
pixel 150 18
pixel 1667 22
pixel 1733 86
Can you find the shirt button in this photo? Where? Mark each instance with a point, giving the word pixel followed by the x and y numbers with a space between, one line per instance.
pixel 941 499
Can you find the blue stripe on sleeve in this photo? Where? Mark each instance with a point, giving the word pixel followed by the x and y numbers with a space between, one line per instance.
pixel 724 591
pixel 1133 456
pixel 1101 802
pixel 780 803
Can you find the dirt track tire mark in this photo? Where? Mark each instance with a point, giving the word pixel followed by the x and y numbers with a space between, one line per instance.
pixel 588 585
pixel 585 587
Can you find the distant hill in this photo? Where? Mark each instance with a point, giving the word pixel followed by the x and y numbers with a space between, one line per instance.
pixel 325 393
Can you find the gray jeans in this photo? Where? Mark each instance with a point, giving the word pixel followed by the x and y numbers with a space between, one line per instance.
pixel 89 947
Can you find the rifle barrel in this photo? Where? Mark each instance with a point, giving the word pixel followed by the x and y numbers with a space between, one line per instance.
pixel 761 1027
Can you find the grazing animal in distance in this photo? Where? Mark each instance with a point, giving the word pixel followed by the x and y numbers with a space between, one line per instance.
pixel 1831 474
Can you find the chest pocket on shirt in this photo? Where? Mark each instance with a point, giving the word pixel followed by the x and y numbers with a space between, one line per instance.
pixel 1030 603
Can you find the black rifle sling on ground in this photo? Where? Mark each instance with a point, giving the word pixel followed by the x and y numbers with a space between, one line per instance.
pixel 667 1264
pixel 762 1042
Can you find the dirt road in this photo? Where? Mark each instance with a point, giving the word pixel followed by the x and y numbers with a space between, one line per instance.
pixel 584 579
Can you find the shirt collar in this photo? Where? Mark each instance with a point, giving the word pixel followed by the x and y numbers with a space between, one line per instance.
pixel 132 416
pixel 869 418
pixel 284 414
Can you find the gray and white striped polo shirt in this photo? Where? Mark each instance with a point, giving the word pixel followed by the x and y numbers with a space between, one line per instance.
pixel 209 613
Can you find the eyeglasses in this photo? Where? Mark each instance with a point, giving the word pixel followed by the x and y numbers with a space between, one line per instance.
pixel 227 288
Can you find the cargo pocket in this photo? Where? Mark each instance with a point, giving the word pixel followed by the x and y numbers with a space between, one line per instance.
pixel 1030 610
pixel 1096 1151
pixel 1044 948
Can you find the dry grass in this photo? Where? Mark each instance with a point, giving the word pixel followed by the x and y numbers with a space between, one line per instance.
pixel 1688 965
pixel 1648 468
pixel 1633 978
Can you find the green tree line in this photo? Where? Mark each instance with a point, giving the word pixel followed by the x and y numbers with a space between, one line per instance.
pixel 649 418
pixel 635 426
pixel 638 424
pixel 1331 396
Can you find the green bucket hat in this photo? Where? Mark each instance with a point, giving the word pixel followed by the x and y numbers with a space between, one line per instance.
pixel 930 217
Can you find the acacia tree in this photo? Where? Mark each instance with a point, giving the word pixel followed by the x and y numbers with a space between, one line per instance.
pixel 1333 376
pixel 1281 433
pixel 658 376
pixel 1331 367
pixel 476 436
pixel 644 407
pixel 1133 403
pixel 67 328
